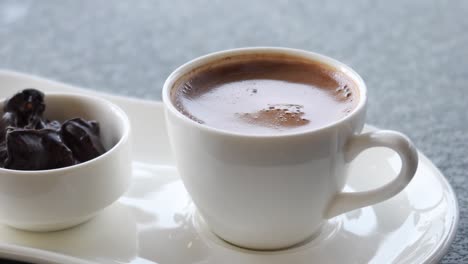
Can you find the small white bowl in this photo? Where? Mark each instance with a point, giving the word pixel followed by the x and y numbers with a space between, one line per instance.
pixel 50 200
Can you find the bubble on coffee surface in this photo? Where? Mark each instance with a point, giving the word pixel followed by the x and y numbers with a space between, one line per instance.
pixel 344 92
pixel 277 116
pixel 252 91
pixel 187 89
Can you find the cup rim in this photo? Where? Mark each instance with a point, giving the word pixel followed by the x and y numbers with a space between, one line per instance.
pixel 215 56
pixel 122 117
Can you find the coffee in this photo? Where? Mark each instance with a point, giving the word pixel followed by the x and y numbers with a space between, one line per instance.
pixel 265 94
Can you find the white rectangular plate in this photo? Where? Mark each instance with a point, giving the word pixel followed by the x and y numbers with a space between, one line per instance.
pixel 155 221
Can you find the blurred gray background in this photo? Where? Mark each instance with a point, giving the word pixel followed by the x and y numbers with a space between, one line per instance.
pixel 412 54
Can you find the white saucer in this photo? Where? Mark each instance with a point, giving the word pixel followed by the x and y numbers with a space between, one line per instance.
pixel 156 222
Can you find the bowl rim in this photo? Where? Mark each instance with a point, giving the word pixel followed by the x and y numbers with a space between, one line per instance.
pixel 121 116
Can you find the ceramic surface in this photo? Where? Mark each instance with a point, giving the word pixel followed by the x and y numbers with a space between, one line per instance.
pixel 155 221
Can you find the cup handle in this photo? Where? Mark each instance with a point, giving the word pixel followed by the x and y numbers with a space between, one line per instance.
pixel 347 201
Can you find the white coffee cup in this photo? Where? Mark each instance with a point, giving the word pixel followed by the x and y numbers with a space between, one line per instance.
pixel 274 191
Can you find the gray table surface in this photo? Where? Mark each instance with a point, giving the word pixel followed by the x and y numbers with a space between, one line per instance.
pixel 412 54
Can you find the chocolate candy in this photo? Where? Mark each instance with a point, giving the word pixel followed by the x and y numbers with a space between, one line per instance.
pixel 24 109
pixel 42 149
pixel 28 141
pixel 83 138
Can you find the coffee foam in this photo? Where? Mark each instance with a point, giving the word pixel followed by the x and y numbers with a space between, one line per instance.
pixel 265 94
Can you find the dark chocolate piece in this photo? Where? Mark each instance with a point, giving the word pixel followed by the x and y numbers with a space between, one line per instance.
pixel 43 149
pixel 24 109
pixel 82 137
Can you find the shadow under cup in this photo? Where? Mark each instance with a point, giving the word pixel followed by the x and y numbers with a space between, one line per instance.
pixel 273 191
